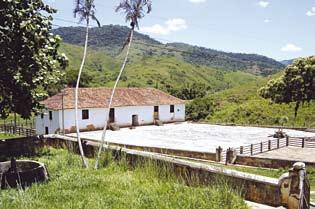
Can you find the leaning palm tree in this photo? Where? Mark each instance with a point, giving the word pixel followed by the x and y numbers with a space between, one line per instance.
pixel 134 10
pixel 85 9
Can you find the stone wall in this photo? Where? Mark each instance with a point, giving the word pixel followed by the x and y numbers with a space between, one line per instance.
pixel 267 162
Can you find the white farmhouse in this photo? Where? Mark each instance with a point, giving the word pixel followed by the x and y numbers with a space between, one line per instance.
pixel 131 107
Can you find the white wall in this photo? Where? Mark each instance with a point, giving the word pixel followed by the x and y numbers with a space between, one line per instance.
pixel 167 116
pixel 123 117
pixel 52 125
pixel 96 118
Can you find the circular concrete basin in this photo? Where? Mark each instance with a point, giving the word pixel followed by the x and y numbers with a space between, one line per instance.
pixel 21 173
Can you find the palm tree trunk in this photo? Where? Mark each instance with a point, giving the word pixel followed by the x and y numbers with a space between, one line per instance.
pixel 84 162
pixel 111 100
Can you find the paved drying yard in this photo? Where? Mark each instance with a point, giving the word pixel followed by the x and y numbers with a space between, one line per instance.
pixel 291 153
pixel 190 136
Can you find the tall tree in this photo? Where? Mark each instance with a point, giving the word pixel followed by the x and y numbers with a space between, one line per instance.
pixel 133 10
pixel 85 9
pixel 296 85
pixel 29 56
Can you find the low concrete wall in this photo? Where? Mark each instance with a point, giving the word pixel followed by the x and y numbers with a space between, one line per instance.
pixel 267 162
pixel 255 188
pixel 181 153
pixel 25 146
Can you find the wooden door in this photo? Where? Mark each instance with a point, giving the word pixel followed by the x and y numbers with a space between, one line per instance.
pixel 112 115
pixel 156 113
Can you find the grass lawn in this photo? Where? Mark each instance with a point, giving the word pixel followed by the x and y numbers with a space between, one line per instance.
pixel 8 136
pixel 115 186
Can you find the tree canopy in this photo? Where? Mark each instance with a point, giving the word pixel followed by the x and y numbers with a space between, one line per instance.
pixel 296 85
pixel 29 56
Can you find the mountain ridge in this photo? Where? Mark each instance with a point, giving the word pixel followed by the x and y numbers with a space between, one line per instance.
pixel 110 38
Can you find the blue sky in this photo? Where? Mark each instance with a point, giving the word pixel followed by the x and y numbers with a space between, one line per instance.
pixel 276 28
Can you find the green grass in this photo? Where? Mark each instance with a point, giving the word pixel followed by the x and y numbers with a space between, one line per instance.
pixel 8 136
pixel 162 71
pixel 115 186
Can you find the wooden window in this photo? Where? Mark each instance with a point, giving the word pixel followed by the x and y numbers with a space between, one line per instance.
pixel 156 108
pixel 172 108
pixel 50 115
pixel 46 130
pixel 42 115
pixel 85 114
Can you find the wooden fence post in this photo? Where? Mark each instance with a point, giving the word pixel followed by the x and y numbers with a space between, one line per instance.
pixel 251 149
pixel 218 154
pixel 278 143
pixel 261 147
pixel 303 142
pixel 287 141
pixel 269 145
pixel 241 150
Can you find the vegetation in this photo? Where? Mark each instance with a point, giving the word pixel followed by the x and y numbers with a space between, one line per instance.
pixel 7 136
pixel 115 186
pixel 86 10
pixel 169 74
pixel 30 60
pixel 110 39
pixel 242 105
pixel 296 85
pixel 133 10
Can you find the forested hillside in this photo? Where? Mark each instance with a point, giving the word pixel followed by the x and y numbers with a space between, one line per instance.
pixel 225 84
pixel 110 39
pixel 243 105
pixel 175 76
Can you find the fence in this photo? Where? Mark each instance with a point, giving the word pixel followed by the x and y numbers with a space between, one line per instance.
pixel 19 130
pixel 266 146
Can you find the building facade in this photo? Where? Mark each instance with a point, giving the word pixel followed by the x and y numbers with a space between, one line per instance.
pixel 131 107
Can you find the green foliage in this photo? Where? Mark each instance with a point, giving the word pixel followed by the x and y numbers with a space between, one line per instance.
pixel 199 109
pixel 115 186
pixel 256 64
pixel 7 136
pixel 189 91
pixel 296 85
pixel 169 74
pixel 28 55
pixel 242 105
pixel 111 38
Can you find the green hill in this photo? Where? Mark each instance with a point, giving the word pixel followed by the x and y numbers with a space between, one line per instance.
pixel 163 72
pixel 243 105
pixel 110 39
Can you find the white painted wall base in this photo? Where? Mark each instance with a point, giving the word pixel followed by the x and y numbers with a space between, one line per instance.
pixel 98 116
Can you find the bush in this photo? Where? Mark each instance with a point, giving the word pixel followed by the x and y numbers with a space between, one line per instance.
pixel 199 109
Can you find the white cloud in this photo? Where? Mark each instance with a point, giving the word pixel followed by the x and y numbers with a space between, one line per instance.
pixel 291 48
pixel 311 12
pixel 171 25
pixel 267 20
pixel 264 4
pixel 197 1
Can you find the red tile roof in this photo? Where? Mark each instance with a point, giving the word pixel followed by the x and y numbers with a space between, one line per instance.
pixel 99 98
